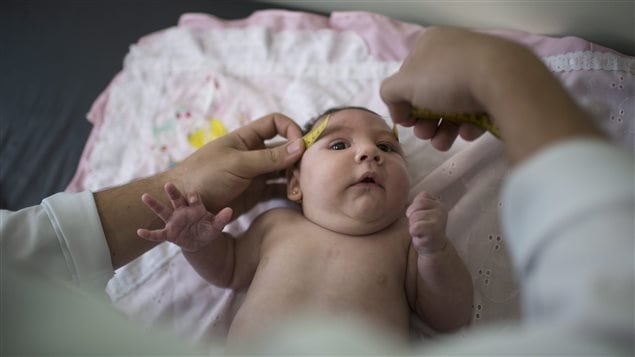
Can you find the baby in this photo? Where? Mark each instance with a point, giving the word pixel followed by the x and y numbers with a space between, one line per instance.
pixel 355 249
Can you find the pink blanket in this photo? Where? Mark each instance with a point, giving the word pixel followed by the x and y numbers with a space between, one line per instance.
pixel 186 85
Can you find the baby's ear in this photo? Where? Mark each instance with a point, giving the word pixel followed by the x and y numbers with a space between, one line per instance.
pixel 294 192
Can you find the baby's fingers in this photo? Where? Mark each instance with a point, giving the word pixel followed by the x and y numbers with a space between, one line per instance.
pixel 208 230
pixel 176 197
pixel 153 236
pixel 428 245
pixel 157 207
pixel 222 218
pixel 422 201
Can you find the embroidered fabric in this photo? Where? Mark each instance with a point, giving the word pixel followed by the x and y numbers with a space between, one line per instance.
pixel 589 61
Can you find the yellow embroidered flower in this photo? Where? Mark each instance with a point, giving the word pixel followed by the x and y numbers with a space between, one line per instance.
pixel 213 130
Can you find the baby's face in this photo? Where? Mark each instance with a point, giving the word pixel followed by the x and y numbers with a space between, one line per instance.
pixel 353 179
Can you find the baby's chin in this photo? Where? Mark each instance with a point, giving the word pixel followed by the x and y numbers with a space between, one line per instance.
pixel 354 225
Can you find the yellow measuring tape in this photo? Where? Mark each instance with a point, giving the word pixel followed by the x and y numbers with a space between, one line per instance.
pixel 481 120
pixel 315 133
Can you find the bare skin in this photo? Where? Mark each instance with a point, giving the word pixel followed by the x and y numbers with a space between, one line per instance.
pixel 230 171
pixel 347 276
pixel 290 265
pixel 455 70
pixel 395 261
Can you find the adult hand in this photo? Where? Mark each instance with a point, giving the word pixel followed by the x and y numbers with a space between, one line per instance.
pixel 229 171
pixel 233 170
pixel 455 70
pixel 437 75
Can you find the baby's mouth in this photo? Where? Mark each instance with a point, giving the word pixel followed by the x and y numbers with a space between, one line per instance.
pixel 368 181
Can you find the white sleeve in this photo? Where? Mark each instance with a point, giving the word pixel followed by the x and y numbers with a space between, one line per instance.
pixel 61 238
pixel 568 214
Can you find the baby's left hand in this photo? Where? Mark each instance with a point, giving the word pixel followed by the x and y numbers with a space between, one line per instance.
pixel 427 218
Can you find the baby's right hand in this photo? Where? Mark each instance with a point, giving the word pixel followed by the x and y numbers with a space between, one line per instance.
pixel 188 224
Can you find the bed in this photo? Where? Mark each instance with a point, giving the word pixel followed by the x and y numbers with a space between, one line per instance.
pixel 57 57
pixel 152 104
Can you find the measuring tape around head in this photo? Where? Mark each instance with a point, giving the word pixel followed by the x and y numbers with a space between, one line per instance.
pixel 311 137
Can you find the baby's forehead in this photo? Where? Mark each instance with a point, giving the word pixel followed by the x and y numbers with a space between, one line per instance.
pixel 350 116
pixel 344 112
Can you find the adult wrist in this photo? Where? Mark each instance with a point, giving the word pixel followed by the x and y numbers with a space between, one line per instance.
pixel 498 64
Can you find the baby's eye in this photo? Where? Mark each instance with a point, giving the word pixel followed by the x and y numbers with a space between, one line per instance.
pixel 385 147
pixel 340 145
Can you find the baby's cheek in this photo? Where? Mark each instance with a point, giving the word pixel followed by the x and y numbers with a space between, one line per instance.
pixel 403 189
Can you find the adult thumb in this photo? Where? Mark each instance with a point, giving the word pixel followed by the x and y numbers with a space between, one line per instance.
pixel 257 162
pixel 395 92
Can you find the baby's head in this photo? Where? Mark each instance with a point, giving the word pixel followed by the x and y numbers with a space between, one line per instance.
pixel 353 179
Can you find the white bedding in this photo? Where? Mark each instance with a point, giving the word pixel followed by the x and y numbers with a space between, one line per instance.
pixel 188 84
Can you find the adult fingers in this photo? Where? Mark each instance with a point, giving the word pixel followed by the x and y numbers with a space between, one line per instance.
pixel 396 92
pixel 445 136
pixel 251 162
pixel 257 162
pixel 470 131
pixel 255 133
pixel 425 128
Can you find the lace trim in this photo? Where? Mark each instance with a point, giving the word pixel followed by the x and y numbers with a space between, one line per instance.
pixel 590 61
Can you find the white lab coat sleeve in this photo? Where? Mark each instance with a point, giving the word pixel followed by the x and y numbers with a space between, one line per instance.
pixel 61 238
pixel 568 216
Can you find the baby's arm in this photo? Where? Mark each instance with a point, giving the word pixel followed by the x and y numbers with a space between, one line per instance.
pixel 198 232
pixel 443 293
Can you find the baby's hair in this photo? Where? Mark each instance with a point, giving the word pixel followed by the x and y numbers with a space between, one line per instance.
pixel 311 123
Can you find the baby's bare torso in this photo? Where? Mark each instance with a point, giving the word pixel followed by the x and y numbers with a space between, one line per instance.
pixel 304 267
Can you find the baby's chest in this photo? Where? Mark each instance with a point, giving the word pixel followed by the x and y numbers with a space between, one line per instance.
pixel 335 265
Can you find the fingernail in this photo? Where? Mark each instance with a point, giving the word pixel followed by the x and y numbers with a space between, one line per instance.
pixel 294 146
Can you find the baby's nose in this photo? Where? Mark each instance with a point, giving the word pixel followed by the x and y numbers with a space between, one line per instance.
pixel 367 153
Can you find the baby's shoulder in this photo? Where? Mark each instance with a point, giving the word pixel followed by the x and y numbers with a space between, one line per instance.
pixel 277 215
